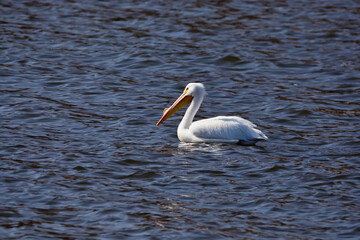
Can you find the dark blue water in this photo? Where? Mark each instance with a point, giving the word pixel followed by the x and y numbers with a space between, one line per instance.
pixel 83 83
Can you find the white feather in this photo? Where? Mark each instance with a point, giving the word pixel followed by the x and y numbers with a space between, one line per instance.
pixel 227 128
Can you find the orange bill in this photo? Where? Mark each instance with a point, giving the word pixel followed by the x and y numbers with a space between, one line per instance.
pixel 177 105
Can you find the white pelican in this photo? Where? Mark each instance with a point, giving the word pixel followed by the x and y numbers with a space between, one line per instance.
pixel 221 129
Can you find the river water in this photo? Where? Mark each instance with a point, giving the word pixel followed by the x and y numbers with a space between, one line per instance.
pixel 83 83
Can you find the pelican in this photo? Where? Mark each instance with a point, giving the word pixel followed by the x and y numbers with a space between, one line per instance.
pixel 221 129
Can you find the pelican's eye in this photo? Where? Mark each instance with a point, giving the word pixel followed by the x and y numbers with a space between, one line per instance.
pixel 186 90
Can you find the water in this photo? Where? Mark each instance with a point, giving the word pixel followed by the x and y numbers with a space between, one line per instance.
pixel 83 83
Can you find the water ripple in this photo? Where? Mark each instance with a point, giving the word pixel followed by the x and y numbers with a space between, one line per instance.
pixel 82 84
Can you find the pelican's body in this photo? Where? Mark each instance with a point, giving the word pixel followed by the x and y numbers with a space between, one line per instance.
pixel 217 129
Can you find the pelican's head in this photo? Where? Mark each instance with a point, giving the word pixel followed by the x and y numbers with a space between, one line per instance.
pixel 195 89
pixel 191 90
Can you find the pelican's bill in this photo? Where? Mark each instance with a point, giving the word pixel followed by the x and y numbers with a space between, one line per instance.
pixel 177 105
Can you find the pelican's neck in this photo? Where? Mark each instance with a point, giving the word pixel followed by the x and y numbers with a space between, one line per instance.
pixel 190 112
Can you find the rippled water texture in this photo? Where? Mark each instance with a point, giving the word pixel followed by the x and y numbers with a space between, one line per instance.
pixel 83 83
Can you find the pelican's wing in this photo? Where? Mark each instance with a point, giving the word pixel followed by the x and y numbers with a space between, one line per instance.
pixel 229 128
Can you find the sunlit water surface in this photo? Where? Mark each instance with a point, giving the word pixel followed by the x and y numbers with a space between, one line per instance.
pixel 83 83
